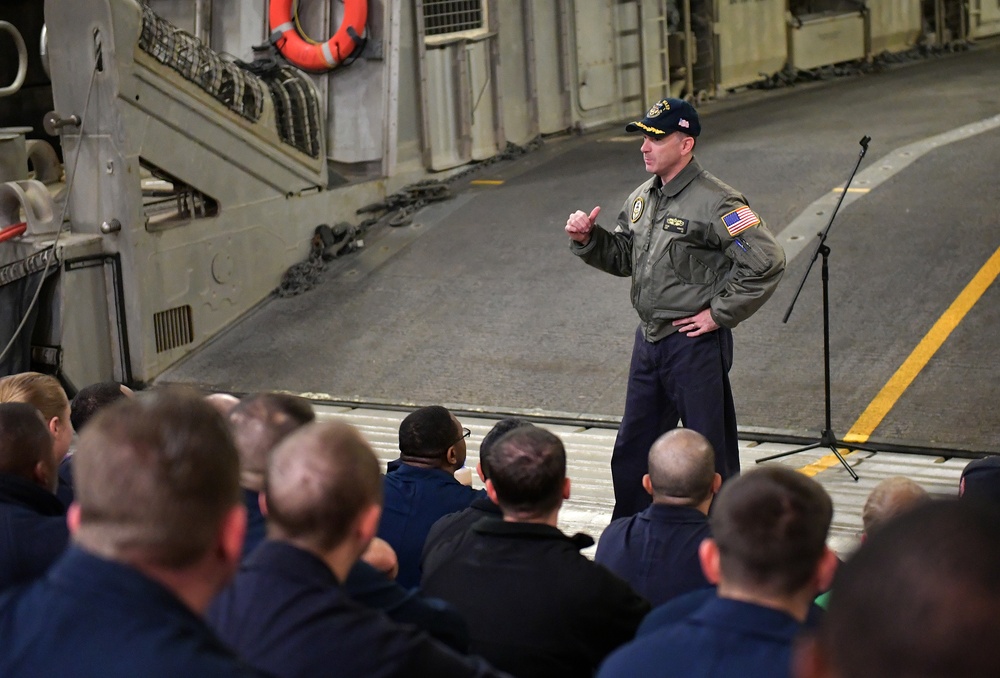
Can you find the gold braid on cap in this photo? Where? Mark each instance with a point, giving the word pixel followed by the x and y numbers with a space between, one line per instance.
pixel 652 130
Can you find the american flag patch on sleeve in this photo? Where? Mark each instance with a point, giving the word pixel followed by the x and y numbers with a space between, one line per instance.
pixel 740 220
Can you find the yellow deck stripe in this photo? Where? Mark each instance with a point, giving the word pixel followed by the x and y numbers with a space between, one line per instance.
pixel 917 360
pixel 852 190
pixel 486 182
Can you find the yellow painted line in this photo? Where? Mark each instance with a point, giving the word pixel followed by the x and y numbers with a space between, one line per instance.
pixel 917 360
pixel 486 182
pixel 852 190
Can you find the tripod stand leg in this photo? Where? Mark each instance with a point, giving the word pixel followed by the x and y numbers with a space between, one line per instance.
pixel 844 462
pixel 790 452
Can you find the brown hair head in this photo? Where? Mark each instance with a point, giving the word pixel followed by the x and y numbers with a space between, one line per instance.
pixel 154 477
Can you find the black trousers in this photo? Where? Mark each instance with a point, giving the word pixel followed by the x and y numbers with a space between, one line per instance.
pixel 677 379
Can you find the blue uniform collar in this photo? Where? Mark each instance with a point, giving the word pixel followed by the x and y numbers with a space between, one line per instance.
pixel 665 513
pixel 292 562
pixel 747 618
pixel 401 469
pixel 23 492
pixel 83 572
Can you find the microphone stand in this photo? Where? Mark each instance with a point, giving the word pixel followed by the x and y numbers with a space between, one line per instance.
pixel 827 438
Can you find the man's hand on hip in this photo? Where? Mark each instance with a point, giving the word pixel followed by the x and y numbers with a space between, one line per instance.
pixel 580 224
pixel 697 324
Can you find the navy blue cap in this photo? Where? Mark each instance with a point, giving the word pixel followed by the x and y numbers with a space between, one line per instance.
pixel 667 116
pixel 981 480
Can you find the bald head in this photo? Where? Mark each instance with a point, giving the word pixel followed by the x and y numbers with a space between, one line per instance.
pixel 890 498
pixel 259 422
pixel 681 467
pixel 319 481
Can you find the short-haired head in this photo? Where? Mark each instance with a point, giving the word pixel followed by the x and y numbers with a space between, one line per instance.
pixel 528 472
pixel 428 433
pixel 90 399
pixel 682 467
pixel 319 480
pixel 259 422
pixel 919 598
pixel 495 433
pixel 154 477
pixel 770 525
pixel 890 498
pixel 26 446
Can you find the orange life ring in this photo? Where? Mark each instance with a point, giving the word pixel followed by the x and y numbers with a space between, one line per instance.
pixel 311 56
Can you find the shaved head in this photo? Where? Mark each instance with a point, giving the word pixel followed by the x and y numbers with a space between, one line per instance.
pixel 682 466
pixel 319 480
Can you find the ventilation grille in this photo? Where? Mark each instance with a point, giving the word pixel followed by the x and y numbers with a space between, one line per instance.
pixel 442 17
pixel 173 328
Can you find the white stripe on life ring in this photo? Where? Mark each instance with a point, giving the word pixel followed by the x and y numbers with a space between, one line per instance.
pixel 328 55
pixel 284 28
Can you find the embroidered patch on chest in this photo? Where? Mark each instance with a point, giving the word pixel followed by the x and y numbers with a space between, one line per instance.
pixel 675 225
pixel 637 207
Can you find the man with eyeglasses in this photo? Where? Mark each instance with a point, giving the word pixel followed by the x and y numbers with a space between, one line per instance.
pixel 701 262
pixel 421 487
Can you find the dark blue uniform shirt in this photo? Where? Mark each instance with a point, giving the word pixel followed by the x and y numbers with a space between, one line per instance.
pixel 415 498
pixel 373 589
pixel 94 618
pixel 286 613
pixel 656 551
pixel 33 530
pixel 723 638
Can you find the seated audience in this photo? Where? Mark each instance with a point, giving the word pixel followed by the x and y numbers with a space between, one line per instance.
pixel 535 605
pixel 483 507
pixel 287 611
pixel 259 422
pixel 85 405
pixel 919 598
pixel 656 550
pixel 981 480
pixel 768 558
pixel 33 529
pixel 157 527
pixel 49 398
pixel 421 487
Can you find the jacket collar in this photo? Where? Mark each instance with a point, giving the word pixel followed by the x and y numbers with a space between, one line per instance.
pixel 667 513
pixel 747 618
pixel 680 182
pixel 17 490
pixel 291 562
pixel 80 571
pixel 402 469
pixel 533 531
